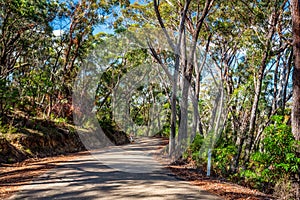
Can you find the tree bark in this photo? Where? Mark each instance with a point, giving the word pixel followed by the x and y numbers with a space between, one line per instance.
pixel 176 49
pixel 187 70
pixel 295 10
pixel 287 72
pixel 258 86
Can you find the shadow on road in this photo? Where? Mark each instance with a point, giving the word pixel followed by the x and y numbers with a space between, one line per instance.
pixel 87 177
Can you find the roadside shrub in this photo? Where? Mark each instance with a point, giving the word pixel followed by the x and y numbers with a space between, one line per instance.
pixel 223 157
pixel 194 148
pixel 276 161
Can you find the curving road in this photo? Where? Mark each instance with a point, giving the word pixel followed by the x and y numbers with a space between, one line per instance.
pixel 120 172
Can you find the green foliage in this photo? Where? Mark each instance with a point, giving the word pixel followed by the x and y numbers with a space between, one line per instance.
pixel 165 131
pixel 278 157
pixel 194 148
pixel 223 156
pixel 3 127
pixel 9 96
pixel 37 70
pixel 61 120
pixel 7 127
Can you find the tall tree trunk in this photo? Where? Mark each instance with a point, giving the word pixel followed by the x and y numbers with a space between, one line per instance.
pixel 287 72
pixel 176 49
pixel 275 88
pixel 183 126
pixel 198 70
pixel 254 108
pixel 187 70
pixel 261 72
pixel 295 9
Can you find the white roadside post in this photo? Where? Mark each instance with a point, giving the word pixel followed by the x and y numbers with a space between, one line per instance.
pixel 208 163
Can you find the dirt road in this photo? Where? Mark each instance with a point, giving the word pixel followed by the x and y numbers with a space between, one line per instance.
pixel 120 172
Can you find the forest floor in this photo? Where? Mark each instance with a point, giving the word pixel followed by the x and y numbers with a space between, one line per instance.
pixel 222 188
pixel 13 176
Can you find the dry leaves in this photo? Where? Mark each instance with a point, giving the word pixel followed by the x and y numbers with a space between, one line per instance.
pixel 216 186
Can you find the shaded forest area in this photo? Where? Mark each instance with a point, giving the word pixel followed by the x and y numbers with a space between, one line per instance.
pixel 245 82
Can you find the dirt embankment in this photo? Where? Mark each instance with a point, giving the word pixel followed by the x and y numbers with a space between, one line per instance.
pixel 39 141
pixel 46 139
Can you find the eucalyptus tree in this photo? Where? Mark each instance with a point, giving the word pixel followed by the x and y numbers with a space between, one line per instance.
pixel 266 22
pixel 25 31
pixel 181 24
pixel 295 10
pixel 253 55
pixel 76 23
pixel 22 23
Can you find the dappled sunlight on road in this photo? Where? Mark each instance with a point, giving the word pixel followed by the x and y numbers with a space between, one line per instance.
pixel 88 178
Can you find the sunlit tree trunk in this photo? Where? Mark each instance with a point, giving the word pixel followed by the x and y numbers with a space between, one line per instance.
pixel 295 8
pixel 176 67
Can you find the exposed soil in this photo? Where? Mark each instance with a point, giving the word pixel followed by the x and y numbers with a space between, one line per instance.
pixel 38 138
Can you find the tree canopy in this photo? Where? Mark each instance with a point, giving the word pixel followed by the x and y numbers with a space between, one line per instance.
pixel 226 76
